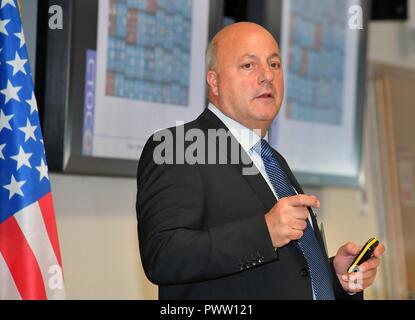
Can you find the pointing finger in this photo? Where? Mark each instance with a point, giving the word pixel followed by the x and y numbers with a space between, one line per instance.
pixel 302 200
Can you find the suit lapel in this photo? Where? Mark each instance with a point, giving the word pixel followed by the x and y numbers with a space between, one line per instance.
pixel 208 120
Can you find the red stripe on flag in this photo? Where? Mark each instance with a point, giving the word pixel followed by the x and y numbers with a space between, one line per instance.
pixel 21 261
pixel 46 207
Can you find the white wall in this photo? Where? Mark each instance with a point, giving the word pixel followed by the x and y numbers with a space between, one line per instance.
pixel 98 238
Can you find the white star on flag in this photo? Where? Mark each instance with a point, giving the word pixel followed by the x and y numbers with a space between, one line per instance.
pixel 22 159
pixel 29 131
pixel 3 24
pixel 4 121
pixel 17 64
pixel 20 35
pixel 11 92
pixel 1 151
pixel 5 2
pixel 14 187
pixel 43 169
pixel 32 103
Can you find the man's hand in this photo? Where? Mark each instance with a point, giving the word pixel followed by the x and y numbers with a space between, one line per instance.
pixel 287 220
pixel 365 276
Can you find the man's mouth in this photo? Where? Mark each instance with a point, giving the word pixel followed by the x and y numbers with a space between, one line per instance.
pixel 266 95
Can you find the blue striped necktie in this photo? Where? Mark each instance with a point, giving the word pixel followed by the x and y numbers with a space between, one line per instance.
pixel 318 267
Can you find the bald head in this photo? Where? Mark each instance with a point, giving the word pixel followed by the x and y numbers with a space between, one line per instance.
pixel 226 38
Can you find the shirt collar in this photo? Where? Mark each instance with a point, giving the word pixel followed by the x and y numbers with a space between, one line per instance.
pixel 246 137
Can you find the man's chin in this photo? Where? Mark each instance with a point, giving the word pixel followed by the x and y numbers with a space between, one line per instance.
pixel 265 113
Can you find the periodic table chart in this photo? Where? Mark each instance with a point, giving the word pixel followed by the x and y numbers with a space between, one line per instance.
pixel 315 76
pixel 149 43
pixel 149 73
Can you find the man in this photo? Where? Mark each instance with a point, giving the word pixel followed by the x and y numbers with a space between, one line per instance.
pixel 210 230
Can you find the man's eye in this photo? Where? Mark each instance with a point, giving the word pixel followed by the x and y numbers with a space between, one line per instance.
pixel 247 66
pixel 275 65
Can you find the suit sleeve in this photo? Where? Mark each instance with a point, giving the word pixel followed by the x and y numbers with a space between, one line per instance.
pixel 174 248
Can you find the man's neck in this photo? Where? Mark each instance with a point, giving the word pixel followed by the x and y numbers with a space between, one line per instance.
pixel 260 128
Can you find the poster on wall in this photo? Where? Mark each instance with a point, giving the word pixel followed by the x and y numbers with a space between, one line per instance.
pixel 318 128
pixel 147 73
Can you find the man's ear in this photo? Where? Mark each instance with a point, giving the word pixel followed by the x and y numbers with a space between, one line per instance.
pixel 212 80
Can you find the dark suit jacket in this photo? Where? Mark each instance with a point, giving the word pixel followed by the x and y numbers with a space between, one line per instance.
pixel 202 231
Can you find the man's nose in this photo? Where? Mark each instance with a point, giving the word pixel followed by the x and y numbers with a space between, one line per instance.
pixel 265 75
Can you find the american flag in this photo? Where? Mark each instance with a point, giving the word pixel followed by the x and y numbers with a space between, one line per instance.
pixel 30 260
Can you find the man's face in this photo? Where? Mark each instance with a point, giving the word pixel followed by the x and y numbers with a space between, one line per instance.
pixel 249 84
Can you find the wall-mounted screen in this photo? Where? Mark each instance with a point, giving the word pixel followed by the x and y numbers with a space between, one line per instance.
pixel 319 127
pixel 115 73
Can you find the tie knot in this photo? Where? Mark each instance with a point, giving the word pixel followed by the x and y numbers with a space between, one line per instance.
pixel 263 149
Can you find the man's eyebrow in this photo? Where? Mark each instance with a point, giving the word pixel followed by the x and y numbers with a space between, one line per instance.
pixel 274 55
pixel 250 55
pixel 254 56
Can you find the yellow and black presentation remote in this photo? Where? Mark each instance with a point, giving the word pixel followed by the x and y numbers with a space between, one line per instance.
pixel 365 253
